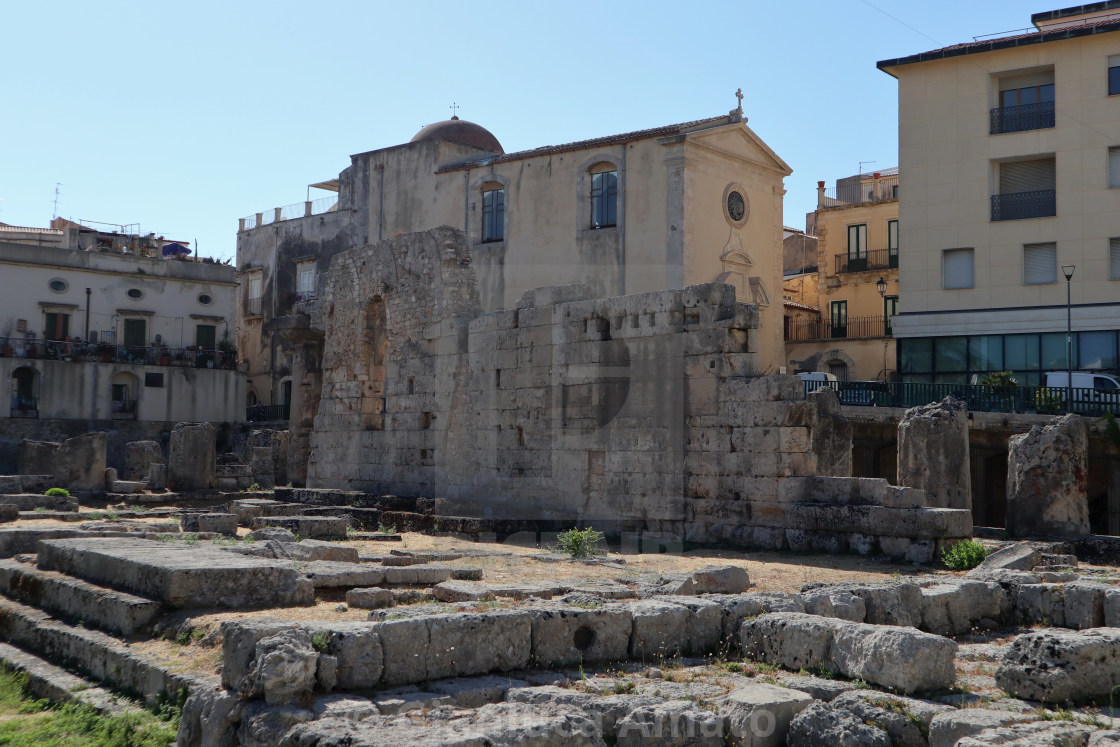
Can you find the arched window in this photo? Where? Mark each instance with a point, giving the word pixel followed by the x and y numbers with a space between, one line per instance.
pixel 125 390
pixel 604 195
pixel 25 393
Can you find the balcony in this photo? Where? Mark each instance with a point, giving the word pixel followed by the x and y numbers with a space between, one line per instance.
pixel 191 357
pixel 855 327
pixel 877 259
pixel 1020 205
pixel 1038 116
pixel 253 307
pixel 24 407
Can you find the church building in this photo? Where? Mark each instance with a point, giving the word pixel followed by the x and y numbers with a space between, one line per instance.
pixel 654 209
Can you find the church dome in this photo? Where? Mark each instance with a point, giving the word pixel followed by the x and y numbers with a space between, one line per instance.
pixel 460 131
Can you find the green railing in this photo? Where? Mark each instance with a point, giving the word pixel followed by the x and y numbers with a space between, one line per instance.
pixel 979 397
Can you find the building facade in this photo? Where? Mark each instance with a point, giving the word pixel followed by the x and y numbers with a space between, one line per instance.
pixel 99 325
pixel 649 210
pixel 853 286
pixel 1011 150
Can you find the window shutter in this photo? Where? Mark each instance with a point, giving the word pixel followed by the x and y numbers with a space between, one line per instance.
pixel 1114 167
pixel 1114 259
pixel 1040 263
pixel 1026 81
pixel 957 269
pixel 1026 176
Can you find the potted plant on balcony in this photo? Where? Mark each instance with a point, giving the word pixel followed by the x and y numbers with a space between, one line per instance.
pixel 164 355
pixel 105 351
pixel 228 350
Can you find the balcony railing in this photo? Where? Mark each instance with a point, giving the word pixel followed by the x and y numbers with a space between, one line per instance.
pixel 1022 118
pixel 1020 205
pixel 824 329
pixel 124 409
pixel 24 407
pixel 253 307
pixel 267 413
pixel 876 259
pixel 289 212
pixel 191 357
pixel 978 397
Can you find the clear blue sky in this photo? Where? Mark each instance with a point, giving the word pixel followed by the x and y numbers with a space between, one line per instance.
pixel 186 116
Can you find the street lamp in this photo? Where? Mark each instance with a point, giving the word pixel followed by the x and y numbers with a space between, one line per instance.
pixel 1067 270
pixel 881 286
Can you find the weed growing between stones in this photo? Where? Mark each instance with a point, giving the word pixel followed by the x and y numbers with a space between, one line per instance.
pixel 40 509
pixel 321 641
pixel 58 492
pixel 383 529
pixel 579 543
pixel 964 555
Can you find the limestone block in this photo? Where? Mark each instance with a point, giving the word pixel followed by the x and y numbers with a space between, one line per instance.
pixel 358 649
pixel 126 487
pixel 1062 666
pixel 220 523
pixel 1039 603
pixel 1047 471
pixel 157 476
pixel 8 512
pixel 1084 604
pixel 933 453
pixel 284 666
pixel 309 527
pixel 138 458
pixel 727 579
pixel 469 644
pixel 37 457
pixel 474 692
pixel 1030 735
pixel 889 604
pixel 79 462
pixel 659 629
pixel 955 608
pixel 774 388
pixel 263 725
pixel 339 705
pixel 739 607
pixel 840 604
pixel 191 461
pixel 792 640
pixel 906 720
pixel 566 636
pixel 261 467
pixel 759 715
pixel 945 729
pixel 821 724
pixel 310 549
pixel 370 598
pixel 210 717
pixel 675 723
pixel 1111 608
pixel 1017 557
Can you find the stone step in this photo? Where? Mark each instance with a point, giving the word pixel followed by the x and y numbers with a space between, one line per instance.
pixel 307 527
pixel 32 501
pixel 45 680
pixel 25 483
pixel 95 654
pixel 74 599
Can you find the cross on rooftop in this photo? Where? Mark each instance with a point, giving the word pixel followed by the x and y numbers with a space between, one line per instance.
pixel 454 109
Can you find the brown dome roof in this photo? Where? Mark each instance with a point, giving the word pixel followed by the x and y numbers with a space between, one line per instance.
pixel 460 131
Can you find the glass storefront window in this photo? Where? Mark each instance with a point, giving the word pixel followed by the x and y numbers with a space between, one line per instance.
pixel 1020 352
pixel 917 354
pixel 1054 351
pixel 1096 350
pixel 985 353
pixel 951 354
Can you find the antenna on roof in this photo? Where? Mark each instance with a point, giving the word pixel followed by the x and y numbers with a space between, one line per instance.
pixel 454 110
pixel 55 213
pixel 860 172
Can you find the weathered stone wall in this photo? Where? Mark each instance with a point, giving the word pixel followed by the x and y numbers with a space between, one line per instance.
pixel 641 412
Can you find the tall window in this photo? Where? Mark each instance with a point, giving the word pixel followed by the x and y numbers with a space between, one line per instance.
pixel 1114 75
pixel 305 280
pixel 839 316
pixel 892 243
pixel 957 269
pixel 1040 264
pixel 1026 102
pixel 256 288
pixel 604 199
pixel 857 247
pixel 135 333
pixel 1114 167
pixel 58 325
pixel 493 214
pixel 890 311
pixel 205 336
pixel 1114 259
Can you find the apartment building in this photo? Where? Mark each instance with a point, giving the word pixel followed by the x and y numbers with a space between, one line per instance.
pixel 1011 150
pixel 853 285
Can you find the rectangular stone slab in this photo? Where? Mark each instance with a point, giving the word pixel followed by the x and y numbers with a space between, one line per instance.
pixel 180 575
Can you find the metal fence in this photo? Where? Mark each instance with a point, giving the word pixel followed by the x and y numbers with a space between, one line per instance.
pixel 24 407
pixel 876 259
pixel 93 352
pixel 1041 203
pixel 979 397
pixel 124 409
pixel 267 413
pixel 824 329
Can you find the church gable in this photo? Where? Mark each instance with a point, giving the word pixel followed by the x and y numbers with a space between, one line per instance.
pixel 739 142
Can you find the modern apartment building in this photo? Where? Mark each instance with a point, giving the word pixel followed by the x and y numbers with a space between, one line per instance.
pixel 1011 150
pixel 854 285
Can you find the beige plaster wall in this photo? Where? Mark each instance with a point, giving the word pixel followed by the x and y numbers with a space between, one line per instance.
pixel 947 156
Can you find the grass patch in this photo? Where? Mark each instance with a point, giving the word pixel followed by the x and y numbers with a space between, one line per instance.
pixel 28 722
pixel 383 529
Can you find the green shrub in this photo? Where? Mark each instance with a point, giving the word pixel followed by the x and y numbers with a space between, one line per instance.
pixel 964 555
pixel 999 378
pixel 58 492
pixel 580 543
pixel 321 641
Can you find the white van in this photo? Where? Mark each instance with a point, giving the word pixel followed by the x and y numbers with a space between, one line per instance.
pixel 818 376
pixel 1092 394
